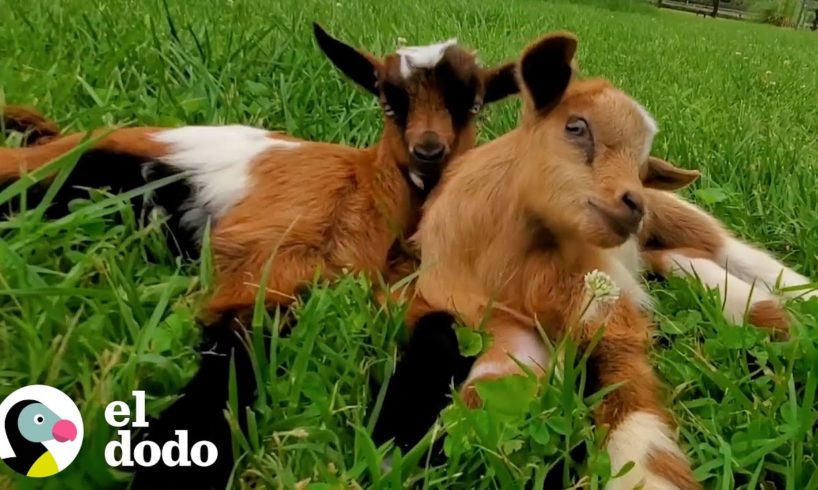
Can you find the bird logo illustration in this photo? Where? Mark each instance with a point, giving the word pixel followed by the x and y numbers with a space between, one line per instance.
pixel 42 431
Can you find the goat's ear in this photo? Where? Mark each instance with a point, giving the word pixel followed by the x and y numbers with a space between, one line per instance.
pixel 666 176
pixel 500 82
pixel 545 70
pixel 361 67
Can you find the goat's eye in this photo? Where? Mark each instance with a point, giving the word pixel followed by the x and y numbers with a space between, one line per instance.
pixel 387 109
pixel 577 127
pixel 475 108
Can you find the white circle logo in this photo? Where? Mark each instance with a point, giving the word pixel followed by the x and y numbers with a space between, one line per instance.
pixel 40 431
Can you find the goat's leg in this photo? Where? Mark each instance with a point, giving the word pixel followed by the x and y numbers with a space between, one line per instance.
pixel 640 429
pixel 511 340
pixel 421 386
pixel 239 276
pixel 400 268
pixel 740 300
pixel 201 412
pixel 673 223
pixel 758 266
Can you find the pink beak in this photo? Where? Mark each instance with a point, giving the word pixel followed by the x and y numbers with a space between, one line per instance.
pixel 64 430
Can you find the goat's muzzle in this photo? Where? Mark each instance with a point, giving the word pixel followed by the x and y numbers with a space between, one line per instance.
pixel 624 219
pixel 428 157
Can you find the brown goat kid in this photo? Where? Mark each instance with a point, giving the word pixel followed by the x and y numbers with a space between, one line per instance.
pixel 313 206
pixel 520 226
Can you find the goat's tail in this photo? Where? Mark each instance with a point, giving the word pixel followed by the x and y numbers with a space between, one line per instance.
pixel 36 128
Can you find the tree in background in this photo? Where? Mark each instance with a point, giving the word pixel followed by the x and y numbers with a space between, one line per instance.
pixel 715 11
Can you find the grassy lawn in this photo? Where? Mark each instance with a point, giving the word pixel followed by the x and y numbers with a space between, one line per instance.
pixel 98 309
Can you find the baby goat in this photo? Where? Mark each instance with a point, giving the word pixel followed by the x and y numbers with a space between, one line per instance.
pixel 311 207
pixel 318 206
pixel 516 228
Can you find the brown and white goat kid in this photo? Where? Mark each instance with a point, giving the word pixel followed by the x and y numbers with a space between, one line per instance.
pixel 313 206
pixel 679 238
pixel 517 228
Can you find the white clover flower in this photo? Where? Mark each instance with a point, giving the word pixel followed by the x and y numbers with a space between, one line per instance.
pixel 299 433
pixel 601 287
pixel 402 42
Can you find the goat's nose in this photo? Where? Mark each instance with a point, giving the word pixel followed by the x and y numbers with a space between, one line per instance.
pixel 430 149
pixel 634 202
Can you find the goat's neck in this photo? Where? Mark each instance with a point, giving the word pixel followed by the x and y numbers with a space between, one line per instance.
pixel 381 174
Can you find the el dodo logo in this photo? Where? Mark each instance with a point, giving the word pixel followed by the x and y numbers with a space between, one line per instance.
pixel 40 431
pixel 148 453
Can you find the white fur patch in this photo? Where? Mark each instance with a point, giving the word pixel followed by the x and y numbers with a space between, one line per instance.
pixel 735 293
pixel 526 346
pixel 416 179
pixel 635 439
pixel 752 264
pixel 650 125
pixel 625 268
pixel 413 57
pixel 217 159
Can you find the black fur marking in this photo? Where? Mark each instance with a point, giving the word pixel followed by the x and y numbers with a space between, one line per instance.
pixel 500 84
pixel 117 173
pixel 459 93
pixel 654 242
pixel 200 411
pixel 542 238
pixel 351 62
pixel 546 72
pixel 421 384
pixel 398 100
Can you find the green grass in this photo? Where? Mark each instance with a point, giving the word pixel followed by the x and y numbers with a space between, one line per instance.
pixel 98 309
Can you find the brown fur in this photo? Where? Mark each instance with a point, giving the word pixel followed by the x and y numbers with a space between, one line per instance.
pixel 671 225
pixel 517 223
pixel 674 469
pixel 35 127
pixel 769 314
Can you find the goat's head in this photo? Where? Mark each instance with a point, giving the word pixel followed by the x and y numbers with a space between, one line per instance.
pixel 430 97
pixel 585 149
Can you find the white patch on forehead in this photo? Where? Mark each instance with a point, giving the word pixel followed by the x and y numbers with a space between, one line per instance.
pixel 650 125
pixel 422 56
pixel 218 159
pixel 653 128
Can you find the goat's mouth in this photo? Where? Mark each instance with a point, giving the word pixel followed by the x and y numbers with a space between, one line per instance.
pixel 621 222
